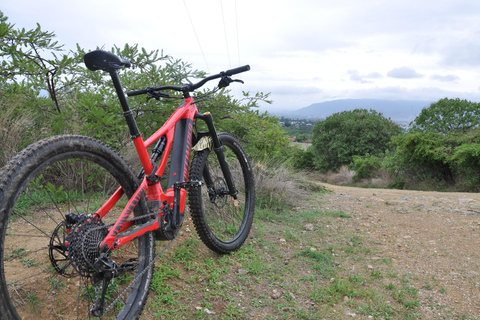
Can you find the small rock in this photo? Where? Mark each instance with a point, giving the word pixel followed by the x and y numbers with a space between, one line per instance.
pixel 472 273
pixel 242 271
pixel 370 267
pixel 282 240
pixel 308 227
pixel 208 311
pixel 292 295
pixel 276 294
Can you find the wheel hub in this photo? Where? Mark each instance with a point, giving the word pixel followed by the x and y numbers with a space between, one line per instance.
pixel 218 193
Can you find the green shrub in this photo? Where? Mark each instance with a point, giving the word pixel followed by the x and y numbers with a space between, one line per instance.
pixel 365 167
pixel 346 134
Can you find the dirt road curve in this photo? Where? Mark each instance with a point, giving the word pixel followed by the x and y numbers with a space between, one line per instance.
pixel 432 237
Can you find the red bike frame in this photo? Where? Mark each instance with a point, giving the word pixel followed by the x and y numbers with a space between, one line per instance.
pixel 153 191
pixel 180 126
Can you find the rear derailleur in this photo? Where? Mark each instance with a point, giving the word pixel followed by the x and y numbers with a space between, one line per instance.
pixel 106 271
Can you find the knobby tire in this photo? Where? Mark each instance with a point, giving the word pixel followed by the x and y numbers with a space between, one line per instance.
pixel 37 188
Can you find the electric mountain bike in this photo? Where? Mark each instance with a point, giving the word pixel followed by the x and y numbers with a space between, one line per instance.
pixel 78 226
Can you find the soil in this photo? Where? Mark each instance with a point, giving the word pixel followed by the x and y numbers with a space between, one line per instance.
pixel 432 236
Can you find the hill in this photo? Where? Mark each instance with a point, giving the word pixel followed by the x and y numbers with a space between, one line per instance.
pixel 397 110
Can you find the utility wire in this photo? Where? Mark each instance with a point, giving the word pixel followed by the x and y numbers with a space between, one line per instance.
pixel 196 36
pixel 225 31
pixel 238 38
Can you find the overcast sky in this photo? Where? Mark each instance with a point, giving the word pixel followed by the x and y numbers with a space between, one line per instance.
pixel 302 51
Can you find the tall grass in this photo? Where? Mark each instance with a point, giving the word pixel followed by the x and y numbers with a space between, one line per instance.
pixel 14 131
pixel 278 186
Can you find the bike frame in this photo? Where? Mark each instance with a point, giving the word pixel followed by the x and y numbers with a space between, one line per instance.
pixel 179 125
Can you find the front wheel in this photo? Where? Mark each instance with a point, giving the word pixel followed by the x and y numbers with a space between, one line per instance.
pixel 45 261
pixel 222 221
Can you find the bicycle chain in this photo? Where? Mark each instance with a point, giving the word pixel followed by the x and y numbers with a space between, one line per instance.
pixel 150 265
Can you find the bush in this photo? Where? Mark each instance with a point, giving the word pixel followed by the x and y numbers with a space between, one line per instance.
pixel 84 102
pixel 446 161
pixel 351 133
pixel 303 159
pixel 441 150
pixel 365 167
pixel 447 116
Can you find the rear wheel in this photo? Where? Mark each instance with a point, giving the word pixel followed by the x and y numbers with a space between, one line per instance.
pixel 222 221
pixel 46 271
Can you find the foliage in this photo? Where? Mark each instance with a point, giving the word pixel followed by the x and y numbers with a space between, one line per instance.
pixel 366 166
pixel 61 96
pixel 421 156
pixel 304 159
pixel 442 160
pixel 345 134
pixel 447 116
pixel 441 150
pixel 23 55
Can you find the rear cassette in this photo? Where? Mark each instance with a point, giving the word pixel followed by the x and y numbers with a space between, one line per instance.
pixel 84 241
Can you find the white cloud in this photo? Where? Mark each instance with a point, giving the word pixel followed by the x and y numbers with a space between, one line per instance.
pixel 302 51
pixel 447 78
pixel 403 73
pixel 356 76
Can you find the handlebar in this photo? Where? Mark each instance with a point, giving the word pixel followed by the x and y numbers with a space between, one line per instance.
pixel 190 87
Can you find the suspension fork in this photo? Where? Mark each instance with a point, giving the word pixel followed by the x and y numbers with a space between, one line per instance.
pixel 220 152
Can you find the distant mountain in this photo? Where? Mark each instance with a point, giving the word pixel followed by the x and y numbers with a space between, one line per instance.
pixel 397 110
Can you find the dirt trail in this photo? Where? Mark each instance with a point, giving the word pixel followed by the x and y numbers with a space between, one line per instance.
pixel 431 236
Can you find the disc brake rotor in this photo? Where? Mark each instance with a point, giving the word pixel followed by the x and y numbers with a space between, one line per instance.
pixel 220 188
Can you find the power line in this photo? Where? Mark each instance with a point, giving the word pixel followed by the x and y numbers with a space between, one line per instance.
pixel 196 36
pixel 238 38
pixel 225 31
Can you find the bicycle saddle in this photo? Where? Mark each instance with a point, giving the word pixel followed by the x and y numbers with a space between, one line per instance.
pixel 103 60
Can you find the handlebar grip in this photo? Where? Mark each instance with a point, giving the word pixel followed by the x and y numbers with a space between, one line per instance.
pixel 136 92
pixel 237 70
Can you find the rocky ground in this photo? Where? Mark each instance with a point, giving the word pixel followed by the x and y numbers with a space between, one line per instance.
pixel 432 236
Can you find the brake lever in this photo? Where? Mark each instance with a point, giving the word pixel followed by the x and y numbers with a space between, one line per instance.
pixel 157 95
pixel 226 80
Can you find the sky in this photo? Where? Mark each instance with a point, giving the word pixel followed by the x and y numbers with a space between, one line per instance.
pixel 302 51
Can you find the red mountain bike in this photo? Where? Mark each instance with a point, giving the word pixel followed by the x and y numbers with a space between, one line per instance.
pixel 79 227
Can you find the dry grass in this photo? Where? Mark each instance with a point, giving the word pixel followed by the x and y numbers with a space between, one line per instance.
pixel 276 185
pixel 344 176
pixel 13 131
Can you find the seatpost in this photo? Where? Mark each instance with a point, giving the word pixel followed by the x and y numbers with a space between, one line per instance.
pixel 127 113
pixel 135 134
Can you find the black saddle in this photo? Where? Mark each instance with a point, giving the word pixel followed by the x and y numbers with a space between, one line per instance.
pixel 103 60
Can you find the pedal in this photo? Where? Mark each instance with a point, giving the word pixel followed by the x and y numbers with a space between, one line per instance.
pixel 187 184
